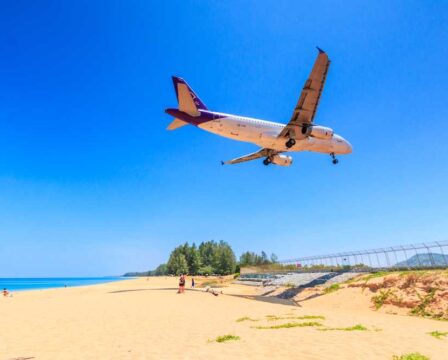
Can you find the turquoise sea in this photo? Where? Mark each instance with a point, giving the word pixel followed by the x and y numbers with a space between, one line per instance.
pixel 19 284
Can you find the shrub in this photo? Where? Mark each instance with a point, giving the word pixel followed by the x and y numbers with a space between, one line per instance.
pixel 290 325
pixel 411 356
pixel 245 318
pixel 228 337
pixel 357 327
pixel 331 288
pixel 438 334
pixel 379 300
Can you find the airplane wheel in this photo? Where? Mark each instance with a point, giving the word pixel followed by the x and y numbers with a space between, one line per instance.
pixel 290 143
pixel 335 161
pixel 267 161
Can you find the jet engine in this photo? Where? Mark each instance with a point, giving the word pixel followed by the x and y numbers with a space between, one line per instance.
pixel 319 132
pixel 282 160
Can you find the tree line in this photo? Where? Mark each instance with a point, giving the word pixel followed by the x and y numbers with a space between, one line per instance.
pixel 208 258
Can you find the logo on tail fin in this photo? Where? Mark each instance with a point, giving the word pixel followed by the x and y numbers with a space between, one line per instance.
pixel 187 98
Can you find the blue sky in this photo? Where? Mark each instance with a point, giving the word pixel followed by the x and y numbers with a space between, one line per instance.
pixel 91 183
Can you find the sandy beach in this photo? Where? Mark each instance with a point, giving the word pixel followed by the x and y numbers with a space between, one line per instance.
pixel 147 319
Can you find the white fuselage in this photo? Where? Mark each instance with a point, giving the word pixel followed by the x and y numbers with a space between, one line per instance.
pixel 265 134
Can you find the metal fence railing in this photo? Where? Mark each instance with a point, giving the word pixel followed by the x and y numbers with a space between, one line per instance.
pixel 415 256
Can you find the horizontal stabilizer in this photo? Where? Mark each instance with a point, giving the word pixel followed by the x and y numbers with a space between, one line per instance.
pixel 176 124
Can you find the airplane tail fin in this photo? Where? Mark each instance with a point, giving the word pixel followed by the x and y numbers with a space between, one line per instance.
pixel 188 101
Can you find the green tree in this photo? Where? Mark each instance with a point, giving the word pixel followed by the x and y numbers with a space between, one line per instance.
pixel 207 252
pixel 274 258
pixel 264 258
pixel 205 270
pixel 177 264
pixel 224 259
pixel 162 269
pixel 193 258
pixel 250 258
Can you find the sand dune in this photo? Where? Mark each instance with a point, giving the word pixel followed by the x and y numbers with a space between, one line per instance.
pixel 146 319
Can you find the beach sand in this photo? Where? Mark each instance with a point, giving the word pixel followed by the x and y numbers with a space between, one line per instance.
pixel 147 319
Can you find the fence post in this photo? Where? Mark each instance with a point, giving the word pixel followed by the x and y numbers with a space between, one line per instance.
pixel 370 259
pixel 387 258
pixel 433 263
pixel 443 254
pixel 418 257
pixel 395 254
pixel 406 256
pixel 377 258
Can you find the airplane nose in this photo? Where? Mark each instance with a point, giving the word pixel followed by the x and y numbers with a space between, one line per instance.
pixel 348 147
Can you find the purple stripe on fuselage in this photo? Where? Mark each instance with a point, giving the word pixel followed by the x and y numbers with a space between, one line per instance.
pixel 204 116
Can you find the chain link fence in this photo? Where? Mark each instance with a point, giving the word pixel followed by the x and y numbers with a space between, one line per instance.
pixel 415 256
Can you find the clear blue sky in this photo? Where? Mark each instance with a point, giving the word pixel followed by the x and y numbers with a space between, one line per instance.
pixel 91 183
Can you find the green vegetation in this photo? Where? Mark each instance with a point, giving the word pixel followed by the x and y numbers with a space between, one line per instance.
pixel 357 327
pixel 379 300
pixel 305 317
pixel 411 356
pixel 375 275
pixel 209 258
pixel 438 334
pixel 249 258
pixel 420 309
pixel 332 288
pixel 290 325
pixel 227 337
pixel 311 317
pixel 245 318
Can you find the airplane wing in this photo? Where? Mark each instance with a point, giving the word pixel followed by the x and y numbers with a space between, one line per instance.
pixel 256 155
pixel 306 107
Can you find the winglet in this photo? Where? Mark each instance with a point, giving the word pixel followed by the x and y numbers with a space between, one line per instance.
pixel 320 50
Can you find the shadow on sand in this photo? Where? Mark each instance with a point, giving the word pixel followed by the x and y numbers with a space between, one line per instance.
pixel 131 290
pixel 272 300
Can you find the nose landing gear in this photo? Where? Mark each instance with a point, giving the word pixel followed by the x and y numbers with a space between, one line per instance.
pixel 335 161
pixel 290 143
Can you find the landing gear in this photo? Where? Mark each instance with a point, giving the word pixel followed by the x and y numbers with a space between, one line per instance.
pixel 267 161
pixel 335 161
pixel 290 143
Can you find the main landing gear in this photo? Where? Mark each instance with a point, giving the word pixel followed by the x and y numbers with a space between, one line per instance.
pixel 290 143
pixel 267 161
pixel 335 161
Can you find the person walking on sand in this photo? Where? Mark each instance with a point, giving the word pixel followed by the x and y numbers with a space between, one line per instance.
pixel 181 284
pixel 5 292
pixel 192 283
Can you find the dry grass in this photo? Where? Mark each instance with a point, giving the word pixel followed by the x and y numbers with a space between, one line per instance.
pixel 305 317
pixel 290 325
pixel 438 334
pixel 411 356
pixel 228 337
pixel 245 318
pixel 424 292
pixel 357 327
pixel 332 288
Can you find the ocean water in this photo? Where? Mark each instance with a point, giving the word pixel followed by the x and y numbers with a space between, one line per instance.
pixel 20 284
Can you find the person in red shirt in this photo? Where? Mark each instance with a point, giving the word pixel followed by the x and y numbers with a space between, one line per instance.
pixel 181 284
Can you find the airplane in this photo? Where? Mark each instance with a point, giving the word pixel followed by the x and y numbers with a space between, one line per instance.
pixel 300 134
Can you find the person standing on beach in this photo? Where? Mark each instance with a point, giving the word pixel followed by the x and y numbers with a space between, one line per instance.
pixel 192 283
pixel 5 292
pixel 181 284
